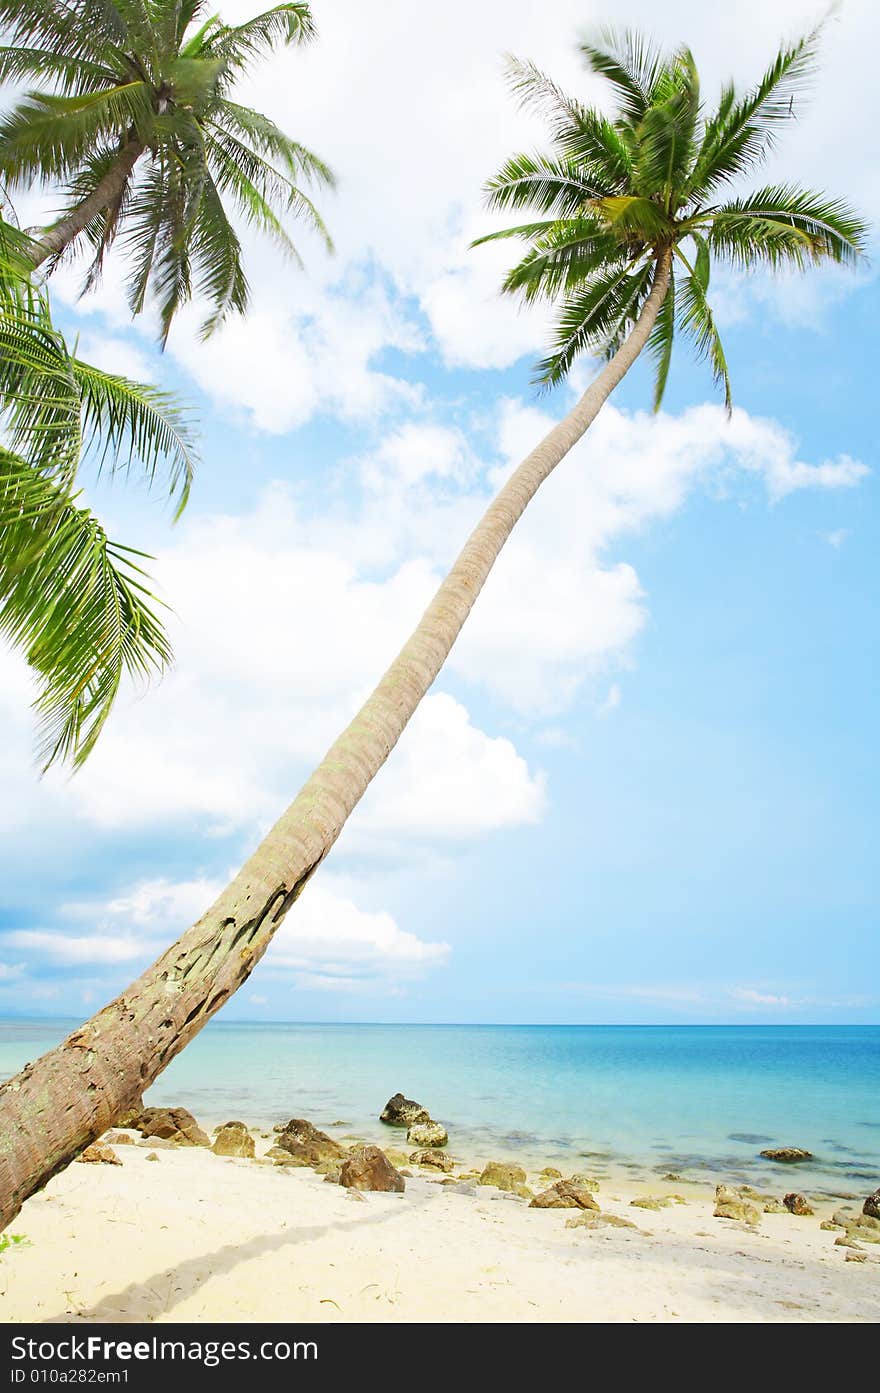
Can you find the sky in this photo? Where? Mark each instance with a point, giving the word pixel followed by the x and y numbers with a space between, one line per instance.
pixel 644 787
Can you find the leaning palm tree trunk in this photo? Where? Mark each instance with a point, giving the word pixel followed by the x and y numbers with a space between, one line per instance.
pixel 55 1107
pixel 57 238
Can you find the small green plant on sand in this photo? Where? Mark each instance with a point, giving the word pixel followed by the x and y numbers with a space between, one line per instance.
pixel 10 1240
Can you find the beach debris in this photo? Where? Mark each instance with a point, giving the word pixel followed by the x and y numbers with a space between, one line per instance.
pixel 729 1204
pixel 368 1168
pixel 787 1155
pixel 427 1134
pixel 176 1125
pixel 796 1204
pixel 565 1194
pixel 302 1144
pixel 117 1139
pixel 871 1207
pixel 403 1112
pixel 99 1154
pixel 355 1195
pixel 502 1176
pixel 234 1139
pixel 856 1257
pixel 437 1160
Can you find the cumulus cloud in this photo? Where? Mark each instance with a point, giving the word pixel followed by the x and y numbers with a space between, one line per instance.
pixel 327 940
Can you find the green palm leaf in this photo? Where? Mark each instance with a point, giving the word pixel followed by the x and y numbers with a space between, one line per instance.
pixel 76 604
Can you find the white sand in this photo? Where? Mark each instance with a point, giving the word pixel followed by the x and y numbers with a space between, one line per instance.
pixel 195 1237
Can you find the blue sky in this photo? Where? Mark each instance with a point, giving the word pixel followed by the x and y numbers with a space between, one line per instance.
pixel 644 789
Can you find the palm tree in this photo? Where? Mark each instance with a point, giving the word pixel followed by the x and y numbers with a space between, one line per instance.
pixel 72 600
pixel 628 198
pixel 138 126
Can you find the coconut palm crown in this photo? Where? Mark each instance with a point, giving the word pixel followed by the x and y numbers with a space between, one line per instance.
pixel 648 187
pixel 134 118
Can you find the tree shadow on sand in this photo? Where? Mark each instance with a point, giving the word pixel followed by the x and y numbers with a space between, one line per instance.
pixel 159 1293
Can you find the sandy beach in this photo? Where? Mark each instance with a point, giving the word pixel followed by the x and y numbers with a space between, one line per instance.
pixel 181 1234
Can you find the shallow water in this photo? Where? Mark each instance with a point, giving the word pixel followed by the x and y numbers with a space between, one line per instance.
pixel 697 1100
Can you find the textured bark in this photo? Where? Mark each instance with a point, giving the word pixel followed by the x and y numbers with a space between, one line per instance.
pixel 66 1099
pixel 57 239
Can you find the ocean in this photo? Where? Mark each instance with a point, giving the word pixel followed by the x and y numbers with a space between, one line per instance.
pixel 695 1100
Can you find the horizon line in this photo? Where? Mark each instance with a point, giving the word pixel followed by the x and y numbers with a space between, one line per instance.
pixel 516 1025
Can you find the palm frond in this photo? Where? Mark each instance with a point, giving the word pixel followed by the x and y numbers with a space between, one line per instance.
pixel 786 224
pixel 666 143
pixel 563 257
pixel 76 604
pixel 553 186
pixel 238 46
pixel 631 63
pixel 126 423
pixel 661 342
pixel 47 137
pixel 742 131
pixel 590 319
pixel 268 140
pixel 697 321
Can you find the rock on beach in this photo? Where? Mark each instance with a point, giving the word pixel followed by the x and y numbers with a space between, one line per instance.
pixel 368 1168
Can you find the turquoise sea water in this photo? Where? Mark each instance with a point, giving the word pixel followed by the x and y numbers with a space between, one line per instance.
pixel 693 1099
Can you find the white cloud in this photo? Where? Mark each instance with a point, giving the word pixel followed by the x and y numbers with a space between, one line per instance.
pixel 326 938
pixel 117 355
pixel 285 618
pixel 555 613
pixel 77 948
pixel 749 997
pixel 449 781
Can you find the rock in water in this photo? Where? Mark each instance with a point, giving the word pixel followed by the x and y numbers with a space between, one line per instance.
pixel 302 1144
pixel 730 1205
pixel 234 1140
pixel 502 1176
pixel 871 1207
pixel 796 1204
pixel 403 1112
pixel 171 1124
pixel 99 1154
pixel 427 1134
pixel 565 1194
pixel 368 1168
pixel 437 1160
pixel 788 1155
